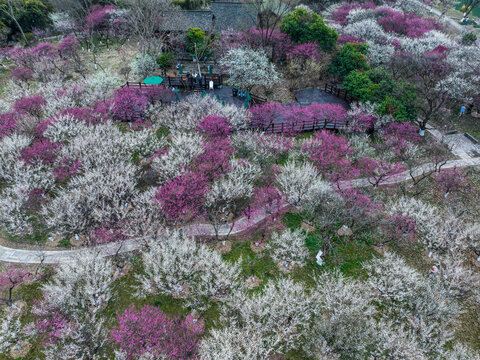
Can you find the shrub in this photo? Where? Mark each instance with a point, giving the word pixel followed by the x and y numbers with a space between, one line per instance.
pixel 165 60
pixel 469 39
pixel 303 27
pixel 350 57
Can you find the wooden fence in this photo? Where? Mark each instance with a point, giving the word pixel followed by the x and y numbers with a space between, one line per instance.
pixel 338 92
pixel 300 126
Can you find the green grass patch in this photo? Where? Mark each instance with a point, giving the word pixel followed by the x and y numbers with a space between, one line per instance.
pixel 349 257
pixel 292 220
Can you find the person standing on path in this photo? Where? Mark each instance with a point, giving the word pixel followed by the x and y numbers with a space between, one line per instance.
pixel 462 110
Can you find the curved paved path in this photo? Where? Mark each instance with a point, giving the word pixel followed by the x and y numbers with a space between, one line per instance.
pixel 242 224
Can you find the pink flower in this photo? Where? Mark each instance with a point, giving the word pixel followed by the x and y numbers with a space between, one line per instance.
pixel 40 151
pixel 182 196
pixel 21 73
pixel 305 51
pixel 31 105
pixel 7 124
pixel 215 126
pixel 150 330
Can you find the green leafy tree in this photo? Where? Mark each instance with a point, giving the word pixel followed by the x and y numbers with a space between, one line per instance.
pixel 350 57
pixel 22 16
pixel 198 45
pixel 377 86
pixel 307 26
pixel 165 60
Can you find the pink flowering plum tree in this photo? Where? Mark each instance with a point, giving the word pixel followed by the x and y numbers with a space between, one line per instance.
pixel 129 104
pixel 378 171
pixel 149 330
pixel 31 105
pixel 12 278
pixel 22 74
pixel 331 154
pixel 42 150
pixel 7 124
pixel 215 126
pixel 213 162
pixel 182 196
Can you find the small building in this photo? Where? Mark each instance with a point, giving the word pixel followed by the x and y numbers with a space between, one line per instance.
pixel 222 15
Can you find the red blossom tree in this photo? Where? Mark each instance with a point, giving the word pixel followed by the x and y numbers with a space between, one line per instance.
pixel 213 162
pixel 40 151
pixel 331 154
pixel 7 124
pixel 215 126
pixel 31 105
pixel 149 330
pixel 10 279
pixel 378 171
pixel 182 196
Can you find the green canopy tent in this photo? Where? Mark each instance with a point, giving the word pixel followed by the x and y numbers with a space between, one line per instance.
pixel 153 80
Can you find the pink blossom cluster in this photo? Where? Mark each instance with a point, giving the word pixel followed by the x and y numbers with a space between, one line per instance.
pixel 21 73
pixel 99 16
pixel 215 126
pixel 213 162
pixel 7 124
pixel 400 226
pixel 340 15
pixel 11 278
pixel 67 169
pixel 31 105
pixel 451 181
pixel 402 130
pixel 106 234
pixel 331 154
pixel 52 327
pixel 360 206
pixel 149 330
pixel 305 51
pixel 409 25
pixel 129 104
pixel 182 196
pixel 41 150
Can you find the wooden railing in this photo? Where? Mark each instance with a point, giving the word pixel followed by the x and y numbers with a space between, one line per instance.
pixel 338 92
pixel 300 126
pixel 137 84
pixel 195 83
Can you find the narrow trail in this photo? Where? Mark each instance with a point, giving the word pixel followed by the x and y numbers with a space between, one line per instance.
pixel 61 256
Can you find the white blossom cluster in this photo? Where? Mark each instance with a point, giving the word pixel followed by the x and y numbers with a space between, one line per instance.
pixel 301 183
pixel 177 265
pixel 288 248
pixel 79 291
pixel 184 116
